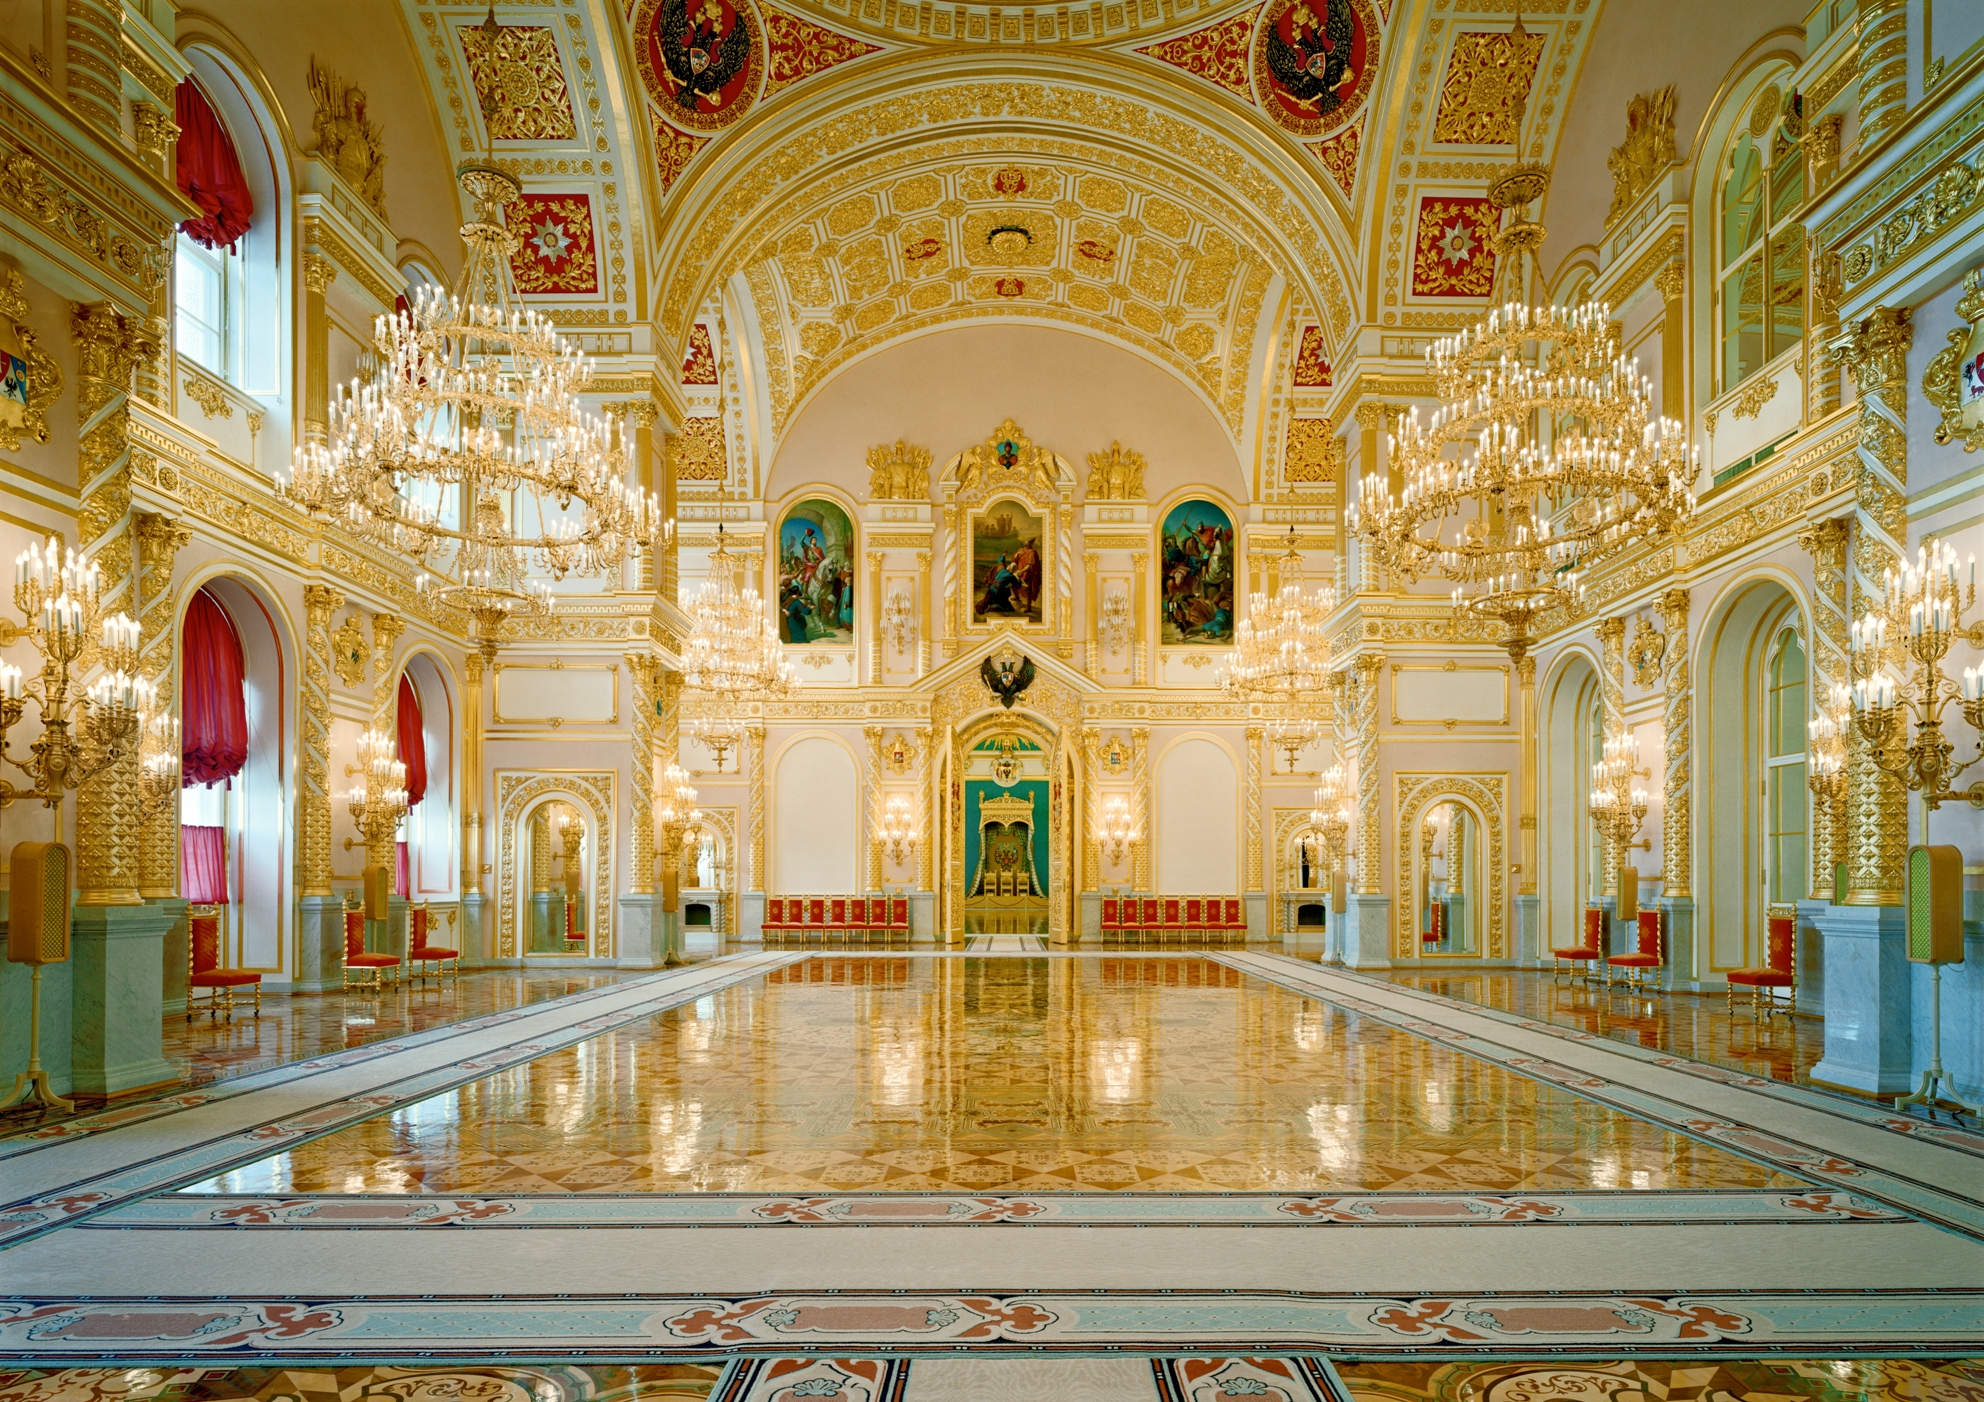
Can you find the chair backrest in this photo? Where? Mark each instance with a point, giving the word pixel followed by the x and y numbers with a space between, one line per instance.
pixel 839 907
pixel 899 912
pixel 1171 910
pixel 775 910
pixel 203 942
pixel 1150 910
pixel 1781 940
pixel 816 911
pixel 416 927
pixel 354 933
pixel 1195 908
pixel 1594 927
pixel 858 909
pixel 1233 916
pixel 1650 932
pixel 1109 910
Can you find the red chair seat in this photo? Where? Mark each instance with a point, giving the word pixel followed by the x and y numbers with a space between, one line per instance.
pixel 1760 978
pixel 223 978
pixel 1582 952
pixel 372 961
pixel 430 952
pixel 1636 961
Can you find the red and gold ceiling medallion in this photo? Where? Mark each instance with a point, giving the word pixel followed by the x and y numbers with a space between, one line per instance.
pixel 1315 62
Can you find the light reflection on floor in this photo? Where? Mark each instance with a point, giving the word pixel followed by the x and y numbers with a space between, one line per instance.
pixel 1107 1073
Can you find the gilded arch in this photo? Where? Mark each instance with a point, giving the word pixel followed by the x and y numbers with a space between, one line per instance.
pixel 516 790
pixel 1487 795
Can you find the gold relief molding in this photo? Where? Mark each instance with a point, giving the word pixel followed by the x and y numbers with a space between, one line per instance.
pixel 1117 475
pixel 1413 794
pixel 1751 398
pixel 313 794
pixel 350 652
pixel 1647 151
pixel 1941 382
pixel 44 376
pixel 1645 653
pixel 1677 785
pixel 131 250
pixel 899 473
pixel 212 399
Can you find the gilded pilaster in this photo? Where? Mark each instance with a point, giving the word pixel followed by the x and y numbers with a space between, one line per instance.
pixel 1883 68
pixel 640 766
pixel 1877 351
pixel 1091 846
pixel 107 805
pixel 1526 844
pixel 1612 695
pixel 922 612
pixel 93 63
pixel 1678 785
pixel 1140 607
pixel 1827 542
pixel 319 273
pixel 1822 276
pixel 1370 864
pixel 754 745
pixel 477 664
pixel 1250 816
pixel 872 819
pixel 1140 874
pixel 159 540
pixel 313 794
pixel 1092 648
pixel 386 630
pixel 932 815
pixel 1672 284
pixel 874 612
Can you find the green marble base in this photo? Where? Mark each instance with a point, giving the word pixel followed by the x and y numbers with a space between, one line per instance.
pixel 117 999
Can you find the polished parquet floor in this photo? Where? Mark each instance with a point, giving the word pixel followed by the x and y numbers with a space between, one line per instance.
pixel 1115 1073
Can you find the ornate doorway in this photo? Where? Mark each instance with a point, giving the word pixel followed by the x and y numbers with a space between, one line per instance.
pixel 1010 839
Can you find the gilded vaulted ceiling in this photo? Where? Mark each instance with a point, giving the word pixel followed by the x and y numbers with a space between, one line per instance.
pixel 1046 230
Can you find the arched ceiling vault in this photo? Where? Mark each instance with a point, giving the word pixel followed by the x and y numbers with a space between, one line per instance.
pixel 1221 189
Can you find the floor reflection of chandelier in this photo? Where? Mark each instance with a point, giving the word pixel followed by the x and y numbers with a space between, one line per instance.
pixel 469 450
pixel 1280 649
pixel 1544 457
pixel 732 654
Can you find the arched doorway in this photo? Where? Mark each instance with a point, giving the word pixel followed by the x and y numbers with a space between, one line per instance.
pixel 1009 843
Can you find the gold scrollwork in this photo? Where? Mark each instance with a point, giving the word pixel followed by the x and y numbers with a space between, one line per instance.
pixel 211 398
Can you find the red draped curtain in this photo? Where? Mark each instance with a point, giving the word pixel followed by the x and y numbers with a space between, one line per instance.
pixel 413 754
pixel 203 865
pixel 210 172
pixel 214 713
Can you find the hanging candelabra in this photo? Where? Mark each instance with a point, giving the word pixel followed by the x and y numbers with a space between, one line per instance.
pixel 468 449
pixel 158 767
pixel 1618 806
pixel 732 655
pixel 1280 649
pixel 1897 652
pixel 1329 821
pixel 899 834
pixel 378 800
pixel 60 594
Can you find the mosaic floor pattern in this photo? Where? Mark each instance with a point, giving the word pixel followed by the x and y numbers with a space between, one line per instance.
pixel 1001 1074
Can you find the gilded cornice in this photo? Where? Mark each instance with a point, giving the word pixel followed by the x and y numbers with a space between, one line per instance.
pixel 1875 202
pixel 321 232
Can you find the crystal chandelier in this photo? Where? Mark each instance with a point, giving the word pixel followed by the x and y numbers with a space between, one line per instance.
pixel 1329 820
pixel 1280 649
pixel 899 828
pixel 378 801
pixel 1544 456
pixel 732 654
pixel 468 450
pixel 1918 617
pixel 1618 806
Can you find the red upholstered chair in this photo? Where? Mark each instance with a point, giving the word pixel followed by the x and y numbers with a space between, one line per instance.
pixel 1780 970
pixel 1110 906
pixel 372 969
pixel 421 952
pixel 816 913
pixel 899 914
pixel 1584 957
pixel 572 935
pixel 1195 913
pixel 1173 914
pixel 1646 956
pixel 1152 921
pixel 774 921
pixel 837 916
pixel 1236 917
pixel 203 968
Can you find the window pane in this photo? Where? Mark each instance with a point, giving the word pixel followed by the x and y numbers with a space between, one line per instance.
pixel 199 291
pixel 1742 201
pixel 1742 323
pixel 1787 295
pixel 1787 184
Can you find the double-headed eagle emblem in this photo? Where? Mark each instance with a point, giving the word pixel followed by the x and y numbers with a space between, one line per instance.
pixel 703 50
pixel 1313 62
pixel 1006 676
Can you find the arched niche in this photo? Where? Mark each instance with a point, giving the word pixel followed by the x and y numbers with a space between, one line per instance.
pixel 1569 879
pixel 1074 393
pixel 816 818
pixel 432 831
pixel 1733 789
pixel 255 808
pixel 520 793
pixel 1484 798
pixel 1198 819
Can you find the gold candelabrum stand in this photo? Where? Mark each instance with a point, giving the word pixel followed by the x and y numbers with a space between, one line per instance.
pixel 1918 618
pixel 1328 839
pixel 899 834
pixel 1617 807
pixel 677 822
pixel 378 801
pixel 61 596
pixel 1117 830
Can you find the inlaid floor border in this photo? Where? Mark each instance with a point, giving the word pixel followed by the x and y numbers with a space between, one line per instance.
pixel 1771 1148
pixel 545 1211
pixel 42 1212
pixel 641 1328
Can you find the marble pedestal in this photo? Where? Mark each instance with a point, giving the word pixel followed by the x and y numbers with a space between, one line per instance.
pixel 922 917
pixel 117 1004
pixel 174 971
pixel 478 933
pixel 1868 998
pixel 1679 970
pixel 1529 930
pixel 1260 924
pixel 1366 931
pixel 649 936
pixel 751 917
pixel 319 944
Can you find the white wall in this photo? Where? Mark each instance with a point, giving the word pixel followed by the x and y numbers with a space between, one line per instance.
pixel 816 819
pixel 1198 820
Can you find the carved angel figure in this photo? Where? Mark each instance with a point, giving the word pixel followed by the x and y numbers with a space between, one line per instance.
pixel 346 137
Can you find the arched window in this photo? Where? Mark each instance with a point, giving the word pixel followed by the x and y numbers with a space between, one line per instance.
pixel 1760 293
pixel 1785 875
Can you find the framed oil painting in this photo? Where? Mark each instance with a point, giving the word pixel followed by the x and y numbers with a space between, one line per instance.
pixel 1197 549
pixel 816 574
pixel 1008 575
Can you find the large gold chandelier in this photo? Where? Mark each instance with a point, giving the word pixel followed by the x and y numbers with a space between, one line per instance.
pixel 1280 649
pixel 732 654
pixel 468 450
pixel 1544 457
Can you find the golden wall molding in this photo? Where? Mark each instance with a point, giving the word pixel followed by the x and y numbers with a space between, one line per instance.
pixel 644 670
pixel 899 473
pixel 1364 706
pixel 313 791
pixel 1677 725
pixel 1646 153
pixel 1250 813
pixel 1116 475
pixel 1752 397
pixel 1935 186
pixel 1941 382
pixel 516 789
pixel 1412 795
pixel 160 539
pixel 1828 542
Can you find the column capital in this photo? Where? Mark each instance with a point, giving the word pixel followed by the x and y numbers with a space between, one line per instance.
pixel 319 273
pixel 1876 349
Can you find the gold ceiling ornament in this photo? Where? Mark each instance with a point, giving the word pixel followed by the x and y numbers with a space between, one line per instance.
pixel 1117 475
pixel 469 450
pixel 1280 649
pixel 1545 452
pixel 898 473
